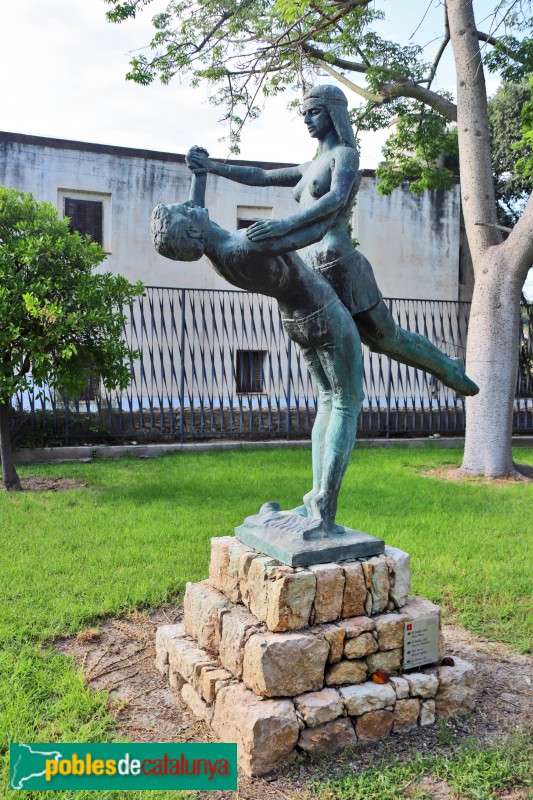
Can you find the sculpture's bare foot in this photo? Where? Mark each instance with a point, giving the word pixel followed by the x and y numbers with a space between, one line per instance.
pixel 300 511
pixel 460 380
pixel 319 507
pixel 308 498
pixel 314 530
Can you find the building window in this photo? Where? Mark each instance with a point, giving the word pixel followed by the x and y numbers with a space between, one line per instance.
pixel 86 217
pixel 247 215
pixel 250 371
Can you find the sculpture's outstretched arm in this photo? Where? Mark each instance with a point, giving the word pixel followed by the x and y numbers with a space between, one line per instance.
pixel 198 158
pixel 197 193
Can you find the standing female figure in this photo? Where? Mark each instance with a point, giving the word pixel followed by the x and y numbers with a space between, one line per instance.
pixel 326 189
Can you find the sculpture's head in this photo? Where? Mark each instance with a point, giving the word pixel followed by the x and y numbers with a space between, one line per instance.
pixel 178 231
pixel 334 102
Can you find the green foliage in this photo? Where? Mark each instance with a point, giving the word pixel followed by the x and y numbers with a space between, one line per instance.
pixel 247 50
pixel 524 165
pixel 505 119
pixel 423 150
pixel 61 322
pixel 473 773
pixel 512 55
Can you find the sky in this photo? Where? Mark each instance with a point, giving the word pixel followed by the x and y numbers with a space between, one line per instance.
pixel 63 67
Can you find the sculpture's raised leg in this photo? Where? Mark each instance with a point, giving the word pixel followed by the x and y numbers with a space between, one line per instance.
pixel 381 334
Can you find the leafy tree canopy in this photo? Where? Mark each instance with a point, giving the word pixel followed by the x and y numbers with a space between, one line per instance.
pixel 250 49
pixel 60 322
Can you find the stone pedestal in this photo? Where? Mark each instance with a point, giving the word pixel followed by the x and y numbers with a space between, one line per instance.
pixel 275 657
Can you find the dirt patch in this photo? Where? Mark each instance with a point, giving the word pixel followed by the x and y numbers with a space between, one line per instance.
pixel 455 475
pixel 119 656
pixel 34 484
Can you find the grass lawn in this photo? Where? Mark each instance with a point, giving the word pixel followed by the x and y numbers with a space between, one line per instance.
pixel 141 530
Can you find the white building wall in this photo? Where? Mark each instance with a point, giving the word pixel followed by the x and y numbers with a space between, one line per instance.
pixel 412 241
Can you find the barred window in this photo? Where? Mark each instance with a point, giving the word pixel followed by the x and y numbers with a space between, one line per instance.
pixel 250 371
pixel 86 217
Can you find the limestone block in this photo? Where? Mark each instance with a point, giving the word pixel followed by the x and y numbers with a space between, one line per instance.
pixel 284 664
pixel 290 600
pixel 198 707
pixel 355 626
pixel 420 607
pixel 346 672
pixel 184 657
pixel 319 707
pixel 334 636
pixel 266 731
pixel 427 712
pixel 376 572
pixel 244 563
pixel 406 714
pixel 329 593
pixel 224 565
pixel 391 660
pixel 260 570
pixel 278 595
pixel 353 602
pixel 401 583
pixel 373 726
pixel 203 608
pixel 401 687
pixel 361 646
pixel 366 697
pixel 163 635
pixel 237 627
pixel 422 684
pixel 328 738
pixel 197 672
pixel 390 628
pixel 457 689
pixel 175 680
pixel 211 682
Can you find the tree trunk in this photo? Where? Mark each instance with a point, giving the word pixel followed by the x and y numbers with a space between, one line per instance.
pixel 499 269
pixel 492 360
pixel 9 473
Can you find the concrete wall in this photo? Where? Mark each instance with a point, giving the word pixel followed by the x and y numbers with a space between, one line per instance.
pixel 412 241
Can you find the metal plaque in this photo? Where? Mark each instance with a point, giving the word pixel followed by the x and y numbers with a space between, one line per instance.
pixel 421 642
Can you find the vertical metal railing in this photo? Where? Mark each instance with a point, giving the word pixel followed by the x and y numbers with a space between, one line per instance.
pixel 186 384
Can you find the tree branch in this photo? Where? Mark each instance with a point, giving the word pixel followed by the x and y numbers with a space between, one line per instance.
pixel 393 91
pixel 441 49
pixel 486 37
pixel 375 98
pixel 423 95
pixel 341 63
pixel 494 225
pixel 227 15
pixel 520 241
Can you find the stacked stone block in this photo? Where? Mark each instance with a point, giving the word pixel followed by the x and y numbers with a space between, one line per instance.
pixel 275 657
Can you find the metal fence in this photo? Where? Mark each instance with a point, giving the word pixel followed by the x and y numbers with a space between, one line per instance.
pixel 219 364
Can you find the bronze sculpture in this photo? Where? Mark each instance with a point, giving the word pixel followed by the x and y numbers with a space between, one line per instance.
pixel 329 303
